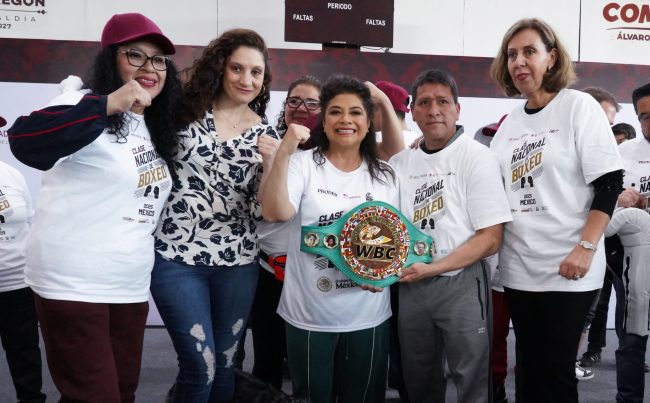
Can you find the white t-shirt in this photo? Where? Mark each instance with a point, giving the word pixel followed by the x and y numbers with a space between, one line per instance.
pixel 91 238
pixel 547 161
pixel 15 215
pixel 636 159
pixel 452 193
pixel 273 238
pixel 316 296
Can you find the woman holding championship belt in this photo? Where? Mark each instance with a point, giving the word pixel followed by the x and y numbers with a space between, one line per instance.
pixel 562 174
pixel 337 333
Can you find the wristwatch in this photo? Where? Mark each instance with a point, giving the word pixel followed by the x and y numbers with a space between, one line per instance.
pixel 587 245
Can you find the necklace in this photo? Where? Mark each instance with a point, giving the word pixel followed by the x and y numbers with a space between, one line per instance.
pixel 230 122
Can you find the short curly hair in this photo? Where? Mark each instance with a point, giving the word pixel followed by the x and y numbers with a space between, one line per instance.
pixel 561 76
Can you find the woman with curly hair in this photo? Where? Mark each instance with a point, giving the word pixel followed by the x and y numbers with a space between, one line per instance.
pixel 337 336
pixel 206 271
pixel 105 152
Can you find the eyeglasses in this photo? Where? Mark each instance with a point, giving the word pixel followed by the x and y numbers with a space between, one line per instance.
pixel 138 58
pixel 310 103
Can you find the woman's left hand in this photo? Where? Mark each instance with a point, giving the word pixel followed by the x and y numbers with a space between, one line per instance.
pixel 576 265
pixel 267 146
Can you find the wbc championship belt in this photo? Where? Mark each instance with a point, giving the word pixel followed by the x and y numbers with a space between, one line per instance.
pixel 370 243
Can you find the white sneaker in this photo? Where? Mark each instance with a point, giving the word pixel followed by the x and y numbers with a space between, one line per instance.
pixel 582 374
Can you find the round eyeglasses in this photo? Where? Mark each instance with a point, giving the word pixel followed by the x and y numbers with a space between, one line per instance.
pixel 310 103
pixel 138 58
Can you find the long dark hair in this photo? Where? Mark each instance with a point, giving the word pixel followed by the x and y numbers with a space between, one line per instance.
pixel 281 126
pixel 160 116
pixel 342 84
pixel 206 74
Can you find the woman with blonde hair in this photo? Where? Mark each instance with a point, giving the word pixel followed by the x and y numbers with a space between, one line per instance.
pixel 562 173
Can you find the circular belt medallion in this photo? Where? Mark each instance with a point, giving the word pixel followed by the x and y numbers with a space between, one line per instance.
pixel 374 242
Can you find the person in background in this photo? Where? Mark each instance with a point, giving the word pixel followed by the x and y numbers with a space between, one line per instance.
pixel 105 152
pixel 630 355
pixel 451 189
pixel 205 273
pixel 302 106
pixel 18 323
pixel 337 333
pixel 562 173
pixel 500 313
pixel 623 132
pixel 399 98
pixel 606 100
pixel 596 322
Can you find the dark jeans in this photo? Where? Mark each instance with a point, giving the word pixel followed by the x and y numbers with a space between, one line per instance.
pixel 630 355
pixel 547 327
pixel 94 350
pixel 598 328
pixel 269 341
pixel 205 310
pixel 19 333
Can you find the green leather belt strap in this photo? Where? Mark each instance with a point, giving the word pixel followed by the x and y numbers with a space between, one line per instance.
pixel 370 243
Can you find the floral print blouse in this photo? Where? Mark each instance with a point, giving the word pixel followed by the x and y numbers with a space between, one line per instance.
pixel 210 216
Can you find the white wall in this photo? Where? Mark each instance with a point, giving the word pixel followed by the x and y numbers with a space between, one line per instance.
pixel 431 27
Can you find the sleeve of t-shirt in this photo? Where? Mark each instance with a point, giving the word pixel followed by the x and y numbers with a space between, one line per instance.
pixel 595 143
pixel 487 203
pixel 296 178
pixel 59 130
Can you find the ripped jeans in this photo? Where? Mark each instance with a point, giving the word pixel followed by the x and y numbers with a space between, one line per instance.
pixel 205 311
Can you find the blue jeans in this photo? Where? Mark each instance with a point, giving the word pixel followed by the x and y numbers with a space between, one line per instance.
pixel 205 310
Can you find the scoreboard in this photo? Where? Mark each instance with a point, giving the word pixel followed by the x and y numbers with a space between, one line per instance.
pixel 352 22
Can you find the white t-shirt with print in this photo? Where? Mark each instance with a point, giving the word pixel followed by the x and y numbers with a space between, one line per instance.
pixel 452 193
pixel 636 159
pixel 316 296
pixel 91 238
pixel 548 159
pixel 15 215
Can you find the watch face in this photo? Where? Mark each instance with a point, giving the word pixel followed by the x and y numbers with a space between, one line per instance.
pixel 587 245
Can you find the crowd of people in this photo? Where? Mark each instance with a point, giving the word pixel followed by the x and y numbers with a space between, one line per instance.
pixel 184 190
